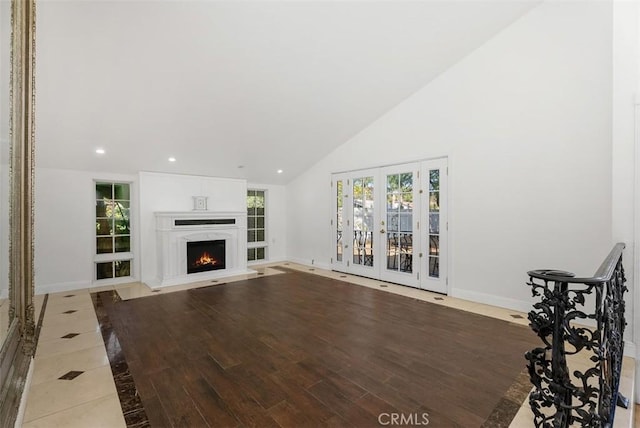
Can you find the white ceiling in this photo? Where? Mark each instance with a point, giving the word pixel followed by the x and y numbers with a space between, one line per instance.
pixel 267 85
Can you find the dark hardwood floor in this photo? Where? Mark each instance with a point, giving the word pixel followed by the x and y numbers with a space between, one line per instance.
pixel 297 350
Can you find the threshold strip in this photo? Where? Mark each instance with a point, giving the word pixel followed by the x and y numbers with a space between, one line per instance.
pixel 506 409
pixel 130 402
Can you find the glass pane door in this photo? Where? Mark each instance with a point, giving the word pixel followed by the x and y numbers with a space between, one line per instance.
pixel 434 236
pixel 434 223
pixel 400 196
pixel 354 219
pixel 363 211
pixel 340 221
pixel 390 223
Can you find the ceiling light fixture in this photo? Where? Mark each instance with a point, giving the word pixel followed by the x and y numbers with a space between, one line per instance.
pixel 280 171
pixel 172 159
pixel 100 151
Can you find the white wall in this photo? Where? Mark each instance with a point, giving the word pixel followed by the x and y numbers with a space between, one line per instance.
pixel 65 227
pixel 625 83
pixel 526 123
pixel 276 212
pixel 173 192
pixel 65 219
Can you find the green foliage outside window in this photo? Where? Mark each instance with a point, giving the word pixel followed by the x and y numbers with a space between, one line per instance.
pixel 113 227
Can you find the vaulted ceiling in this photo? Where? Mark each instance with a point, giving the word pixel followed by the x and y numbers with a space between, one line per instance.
pixel 236 88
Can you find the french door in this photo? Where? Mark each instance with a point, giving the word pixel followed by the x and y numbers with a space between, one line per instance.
pixel 397 229
pixel 390 224
pixel 354 220
pixel 434 235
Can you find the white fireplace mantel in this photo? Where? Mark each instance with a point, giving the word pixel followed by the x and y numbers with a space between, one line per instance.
pixel 175 228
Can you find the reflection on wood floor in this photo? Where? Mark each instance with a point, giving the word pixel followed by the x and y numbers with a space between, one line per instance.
pixel 298 349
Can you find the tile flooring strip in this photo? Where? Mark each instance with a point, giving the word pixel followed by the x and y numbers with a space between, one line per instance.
pixel 506 409
pixel 130 402
pixel 39 326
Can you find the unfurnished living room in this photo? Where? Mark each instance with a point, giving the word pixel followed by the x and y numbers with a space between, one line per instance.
pixel 319 213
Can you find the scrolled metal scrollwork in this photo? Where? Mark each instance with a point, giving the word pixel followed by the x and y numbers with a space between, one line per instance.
pixel 588 398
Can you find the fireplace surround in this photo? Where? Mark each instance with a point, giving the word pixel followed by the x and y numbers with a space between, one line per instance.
pixel 177 232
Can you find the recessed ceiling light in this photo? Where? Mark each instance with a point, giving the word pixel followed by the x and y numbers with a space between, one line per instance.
pixel 100 151
pixel 172 159
pixel 280 171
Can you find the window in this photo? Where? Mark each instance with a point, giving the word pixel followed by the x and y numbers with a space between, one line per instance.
pixel 256 226
pixel 339 226
pixel 113 231
pixel 434 223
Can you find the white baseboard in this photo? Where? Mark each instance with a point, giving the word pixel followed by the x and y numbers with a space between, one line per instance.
pixel 492 299
pixel 306 262
pixel 266 263
pixel 63 286
pixel 630 349
pixel 637 382
pixel 114 281
pixel 276 260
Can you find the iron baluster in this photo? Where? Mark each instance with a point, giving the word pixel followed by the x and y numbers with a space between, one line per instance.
pixel 559 316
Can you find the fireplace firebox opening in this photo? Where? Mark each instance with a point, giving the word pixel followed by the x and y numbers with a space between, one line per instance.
pixel 204 256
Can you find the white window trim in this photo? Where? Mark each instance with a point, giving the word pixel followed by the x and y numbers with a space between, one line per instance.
pixel 114 257
pixel 261 244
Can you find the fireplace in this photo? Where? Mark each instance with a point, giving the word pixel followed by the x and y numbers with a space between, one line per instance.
pixel 182 238
pixel 204 256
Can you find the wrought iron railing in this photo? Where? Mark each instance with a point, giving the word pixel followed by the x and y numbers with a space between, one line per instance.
pixel 585 397
pixel 363 247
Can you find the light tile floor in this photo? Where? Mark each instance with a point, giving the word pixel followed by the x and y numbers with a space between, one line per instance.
pixel 91 399
pixel 91 396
